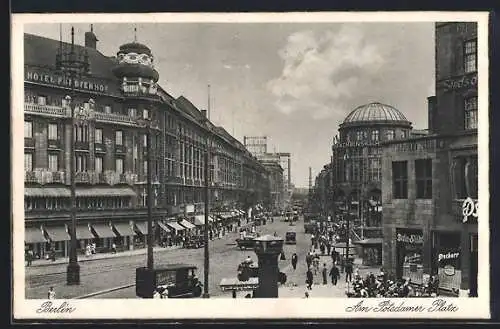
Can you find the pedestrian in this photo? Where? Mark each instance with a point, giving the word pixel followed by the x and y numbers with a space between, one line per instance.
pixel 348 272
pixel 282 256
pixel 30 257
pixel 328 247
pixel 309 279
pixel 294 261
pixel 51 294
pixel 308 260
pixel 324 273
pixel 322 248
pixel 334 274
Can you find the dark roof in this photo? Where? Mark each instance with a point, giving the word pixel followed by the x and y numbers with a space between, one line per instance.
pixel 374 112
pixel 189 108
pixel 41 52
pixel 135 47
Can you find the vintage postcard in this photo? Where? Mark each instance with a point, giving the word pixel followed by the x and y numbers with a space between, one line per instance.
pixel 325 165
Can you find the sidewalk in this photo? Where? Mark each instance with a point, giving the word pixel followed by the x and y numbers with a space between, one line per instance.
pixel 82 258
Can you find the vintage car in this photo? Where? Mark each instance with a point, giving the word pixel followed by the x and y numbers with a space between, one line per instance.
pixel 195 242
pixel 251 270
pixel 291 237
pixel 169 281
pixel 247 242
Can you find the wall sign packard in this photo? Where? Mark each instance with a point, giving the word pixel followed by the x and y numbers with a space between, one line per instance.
pixel 469 210
pixel 449 272
pixel 62 81
pixel 464 82
pixel 410 238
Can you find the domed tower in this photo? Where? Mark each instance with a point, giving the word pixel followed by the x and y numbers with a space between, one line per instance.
pixel 135 70
pixel 357 159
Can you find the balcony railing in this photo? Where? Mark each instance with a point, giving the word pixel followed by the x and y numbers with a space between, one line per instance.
pixel 49 110
pixel 82 177
pixel 99 147
pixel 114 118
pixel 30 177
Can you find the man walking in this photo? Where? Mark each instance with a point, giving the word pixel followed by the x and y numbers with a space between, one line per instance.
pixel 294 261
pixel 324 273
pixel 309 280
pixel 334 274
pixel 348 272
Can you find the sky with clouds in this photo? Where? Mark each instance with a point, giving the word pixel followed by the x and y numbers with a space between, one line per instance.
pixel 292 82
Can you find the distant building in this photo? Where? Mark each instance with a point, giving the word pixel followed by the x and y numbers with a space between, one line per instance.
pixel 428 178
pixel 257 145
pixel 276 191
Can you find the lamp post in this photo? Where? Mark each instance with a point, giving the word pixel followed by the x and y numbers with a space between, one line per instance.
pixel 205 233
pixel 146 122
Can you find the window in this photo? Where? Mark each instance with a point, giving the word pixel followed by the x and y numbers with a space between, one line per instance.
pixel 28 161
pixel 145 114
pixel 423 178
pixel 42 100
pixel 132 112
pixel 119 166
pixel 359 135
pixel 98 136
pixel 119 137
pixel 28 129
pixel 375 135
pixel 145 167
pixel 465 177
pixel 107 109
pixel 81 163
pixel 470 56
pixel 404 134
pixel 145 140
pixel 390 134
pixel 53 162
pixel 471 113
pixel 64 102
pixel 53 131
pixel 400 179
pixel 98 165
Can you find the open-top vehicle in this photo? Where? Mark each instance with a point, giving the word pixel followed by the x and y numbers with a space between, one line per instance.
pixel 247 242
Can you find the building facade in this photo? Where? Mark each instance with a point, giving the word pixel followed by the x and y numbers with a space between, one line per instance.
pixel 276 184
pixel 430 181
pixel 117 101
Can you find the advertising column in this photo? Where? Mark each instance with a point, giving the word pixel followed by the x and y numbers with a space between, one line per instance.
pixel 409 251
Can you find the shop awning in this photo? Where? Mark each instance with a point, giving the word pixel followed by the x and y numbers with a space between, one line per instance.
pixel 105 191
pixel 34 235
pixel 164 227
pixel 187 224
pixel 50 192
pixel 142 227
pixel 123 229
pixel 83 232
pixel 57 233
pixel 175 226
pixel 230 284
pixel 103 230
pixel 371 241
pixel 63 192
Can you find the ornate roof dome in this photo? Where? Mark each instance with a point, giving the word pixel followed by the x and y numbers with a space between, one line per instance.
pixel 375 112
pixel 135 60
pixel 134 47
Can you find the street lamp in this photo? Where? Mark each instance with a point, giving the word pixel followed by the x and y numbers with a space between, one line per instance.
pixel 145 122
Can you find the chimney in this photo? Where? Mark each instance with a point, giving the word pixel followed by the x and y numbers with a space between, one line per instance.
pixel 431 113
pixel 204 113
pixel 90 38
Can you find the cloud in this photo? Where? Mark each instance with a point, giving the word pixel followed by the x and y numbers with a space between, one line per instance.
pixel 324 72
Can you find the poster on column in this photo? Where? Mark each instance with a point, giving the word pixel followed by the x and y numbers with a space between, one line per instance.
pixel 449 272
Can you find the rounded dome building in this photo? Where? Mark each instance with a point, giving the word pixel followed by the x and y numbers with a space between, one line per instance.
pixel 357 168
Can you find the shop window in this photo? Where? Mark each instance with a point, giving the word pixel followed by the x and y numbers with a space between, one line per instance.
pixel 400 179
pixel 423 178
pixel 470 56
pixel 28 161
pixel 28 129
pixel 119 137
pixel 53 131
pixel 98 136
pixel 53 162
pixel 471 113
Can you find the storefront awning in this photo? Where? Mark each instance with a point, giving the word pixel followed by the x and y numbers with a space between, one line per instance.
pixel 63 192
pixel 230 284
pixel 164 227
pixel 57 233
pixel 175 226
pixel 371 241
pixel 199 220
pixel 123 229
pixel 34 235
pixel 83 232
pixel 142 227
pixel 187 224
pixel 103 230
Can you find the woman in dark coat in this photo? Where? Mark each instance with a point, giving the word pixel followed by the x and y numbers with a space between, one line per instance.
pixel 310 278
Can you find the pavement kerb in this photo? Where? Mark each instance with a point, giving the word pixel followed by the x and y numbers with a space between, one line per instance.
pixel 105 291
